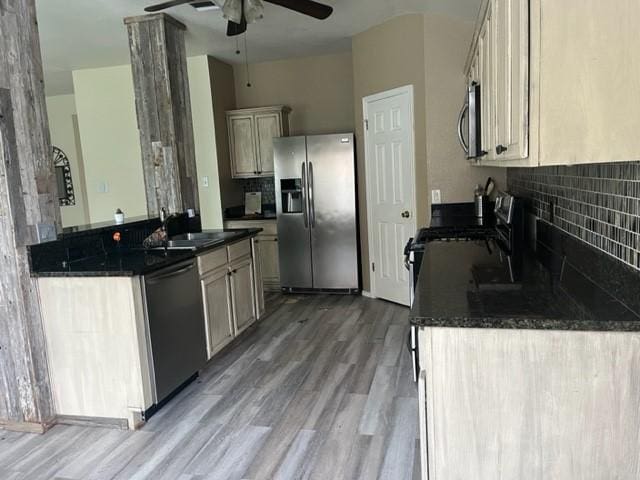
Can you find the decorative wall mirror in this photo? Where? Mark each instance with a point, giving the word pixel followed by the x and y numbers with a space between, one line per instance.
pixel 66 195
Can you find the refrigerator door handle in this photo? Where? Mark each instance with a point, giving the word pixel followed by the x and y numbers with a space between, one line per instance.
pixel 312 205
pixel 304 195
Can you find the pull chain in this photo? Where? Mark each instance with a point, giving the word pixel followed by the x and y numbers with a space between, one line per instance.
pixel 237 45
pixel 246 60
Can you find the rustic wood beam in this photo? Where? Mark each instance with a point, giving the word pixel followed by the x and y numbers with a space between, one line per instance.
pixel 163 106
pixel 28 203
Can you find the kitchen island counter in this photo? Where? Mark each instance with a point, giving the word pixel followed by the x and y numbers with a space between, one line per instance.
pixel 530 376
pixel 125 262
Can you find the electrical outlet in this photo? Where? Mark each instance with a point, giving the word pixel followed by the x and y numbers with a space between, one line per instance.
pixel 436 197
pixel 46 232
pixel 205 182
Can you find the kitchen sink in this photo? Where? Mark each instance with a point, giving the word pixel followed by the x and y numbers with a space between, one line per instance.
pixel 194 241
pixel 203 236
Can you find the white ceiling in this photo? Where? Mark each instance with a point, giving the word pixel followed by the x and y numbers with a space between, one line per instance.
pixel 79 34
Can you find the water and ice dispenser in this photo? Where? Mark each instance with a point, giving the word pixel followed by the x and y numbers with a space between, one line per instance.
pixel 291 191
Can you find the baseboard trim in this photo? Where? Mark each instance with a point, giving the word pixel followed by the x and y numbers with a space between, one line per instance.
pixel 115 423
pixel 27 427
pixel 368 294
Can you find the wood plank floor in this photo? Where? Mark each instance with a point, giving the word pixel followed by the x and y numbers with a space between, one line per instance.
pixel 320 389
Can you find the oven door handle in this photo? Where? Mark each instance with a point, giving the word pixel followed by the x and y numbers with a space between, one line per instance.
pixel 412 346
pixel 407 254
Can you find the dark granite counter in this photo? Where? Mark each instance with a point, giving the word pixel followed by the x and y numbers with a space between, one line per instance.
pixel 126 261
pixel 245 218
pixel 472 285
pixel 238 213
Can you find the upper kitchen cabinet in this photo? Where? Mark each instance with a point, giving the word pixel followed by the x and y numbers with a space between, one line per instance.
pixel 251 134
pixel 553 90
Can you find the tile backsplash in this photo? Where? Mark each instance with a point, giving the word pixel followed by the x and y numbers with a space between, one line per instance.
pixel 600 204
pixel 265 185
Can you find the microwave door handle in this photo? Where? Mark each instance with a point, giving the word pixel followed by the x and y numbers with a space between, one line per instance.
pixel 463 142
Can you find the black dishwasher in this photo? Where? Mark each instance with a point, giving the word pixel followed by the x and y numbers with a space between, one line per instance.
pixel 176 326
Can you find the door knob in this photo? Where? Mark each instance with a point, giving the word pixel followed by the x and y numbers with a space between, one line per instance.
pixel 406 214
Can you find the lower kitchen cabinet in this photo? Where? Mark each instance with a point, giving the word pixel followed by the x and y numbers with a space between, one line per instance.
pixel 216 294
pixel 534 404
pixel 266 253
pixel 242 294
pixel 259 279
pixel 232 292
pixel 269 261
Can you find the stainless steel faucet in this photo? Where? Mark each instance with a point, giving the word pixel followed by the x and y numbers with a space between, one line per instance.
pixel 165 218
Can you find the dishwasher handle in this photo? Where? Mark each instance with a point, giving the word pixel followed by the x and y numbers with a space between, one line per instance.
pixel 165 274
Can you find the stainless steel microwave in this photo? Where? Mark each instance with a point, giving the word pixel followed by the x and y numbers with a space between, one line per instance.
pixel 469 123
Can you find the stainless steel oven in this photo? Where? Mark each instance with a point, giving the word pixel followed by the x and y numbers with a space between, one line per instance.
pixel 469 123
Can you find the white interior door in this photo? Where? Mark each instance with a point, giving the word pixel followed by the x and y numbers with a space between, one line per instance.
pixel 390 171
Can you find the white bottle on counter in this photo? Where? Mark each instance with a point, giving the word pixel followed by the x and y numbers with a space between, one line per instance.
pixel 119 217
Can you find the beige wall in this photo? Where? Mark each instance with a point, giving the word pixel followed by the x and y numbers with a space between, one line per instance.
pixel 224 98
pixel 61 110
pixel 318 89
pixel 204 133
pixel 111 143
pixel 446 45
pixel 388 56
pixel 428 52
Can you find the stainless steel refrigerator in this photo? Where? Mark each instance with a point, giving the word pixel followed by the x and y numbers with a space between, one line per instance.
pixel 316 206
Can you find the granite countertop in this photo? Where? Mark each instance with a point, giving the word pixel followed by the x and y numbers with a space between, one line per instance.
pixel 468 285
pixel 244 218
pixel 127 262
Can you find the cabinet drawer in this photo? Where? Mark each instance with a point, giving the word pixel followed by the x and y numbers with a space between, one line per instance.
pixel 239 250
pixel 212 260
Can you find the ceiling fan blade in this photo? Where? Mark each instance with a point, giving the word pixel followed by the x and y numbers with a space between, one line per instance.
pixel 234 28
pixel 165 5
pixel 306 7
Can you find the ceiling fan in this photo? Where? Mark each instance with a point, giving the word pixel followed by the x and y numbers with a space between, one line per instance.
pixel 242 12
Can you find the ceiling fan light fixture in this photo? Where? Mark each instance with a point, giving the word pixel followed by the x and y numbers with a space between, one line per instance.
pixel 232 10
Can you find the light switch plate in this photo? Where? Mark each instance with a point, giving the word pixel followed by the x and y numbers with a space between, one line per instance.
pixel 436 197
pixel 46 232
pixel 205 182
pixel 103 187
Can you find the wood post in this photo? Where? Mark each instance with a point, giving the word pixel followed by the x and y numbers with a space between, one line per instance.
pixel 28 200
pixel 163 106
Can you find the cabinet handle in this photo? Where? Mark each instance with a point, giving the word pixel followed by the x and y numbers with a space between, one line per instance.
pixel 500 149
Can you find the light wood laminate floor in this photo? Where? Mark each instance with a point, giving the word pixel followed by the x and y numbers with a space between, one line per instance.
pixel 319 389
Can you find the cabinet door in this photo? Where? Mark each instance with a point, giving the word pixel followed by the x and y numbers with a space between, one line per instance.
pixel 243 146
pixel 242 294
pixel 487 92
pixel 268 247
pixel 216 294
pixel 257 271
pixel 511 68
pixel 268 127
